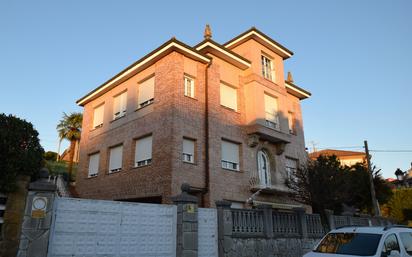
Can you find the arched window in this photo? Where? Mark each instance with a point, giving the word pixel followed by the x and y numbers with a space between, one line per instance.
pixel 263 169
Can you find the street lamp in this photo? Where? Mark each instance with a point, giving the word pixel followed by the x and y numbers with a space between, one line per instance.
pixel 399 174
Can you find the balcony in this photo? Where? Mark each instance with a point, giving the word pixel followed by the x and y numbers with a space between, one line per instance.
pixel 267 131
pixel 265 187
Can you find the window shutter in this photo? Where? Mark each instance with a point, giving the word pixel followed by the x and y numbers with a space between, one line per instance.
pixel 123 102
pixel 228 96
pixel 98 115
pixel 230 152
pixel 146 91
pixel 271 108
pixel 115 158
pixel 143 149
pixel 94 164
pixel 116 105
pixel 189 146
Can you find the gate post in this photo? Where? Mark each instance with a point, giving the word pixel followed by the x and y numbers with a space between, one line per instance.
pixel 37 220
pixel 187 222
pixel 224 225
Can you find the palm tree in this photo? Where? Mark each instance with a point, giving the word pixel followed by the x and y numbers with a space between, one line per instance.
pixel 70 128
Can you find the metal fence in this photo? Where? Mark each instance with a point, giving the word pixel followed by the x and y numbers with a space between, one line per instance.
pixel 270 223
pixel 3 200
pixel 265 222
pixel 247 222
pixel 337 221
pixel 314 226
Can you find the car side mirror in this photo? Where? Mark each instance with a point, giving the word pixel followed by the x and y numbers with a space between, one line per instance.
pixel 394 253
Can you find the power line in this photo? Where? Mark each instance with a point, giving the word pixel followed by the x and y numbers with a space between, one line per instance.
pixel 391 151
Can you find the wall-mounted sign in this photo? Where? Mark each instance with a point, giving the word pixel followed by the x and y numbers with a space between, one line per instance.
pixel 190 208
pixel 38 207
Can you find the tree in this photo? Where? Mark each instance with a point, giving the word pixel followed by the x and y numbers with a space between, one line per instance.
pixel 69 128
pixel 20 151
pixel 325 184
pixel 50 156
pixel 400 205
pixel 318 184
pixel 358 192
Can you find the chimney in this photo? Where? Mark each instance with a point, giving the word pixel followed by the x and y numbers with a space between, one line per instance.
pixel 208 32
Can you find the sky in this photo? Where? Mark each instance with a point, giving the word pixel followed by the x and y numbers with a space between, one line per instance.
pixel 353 56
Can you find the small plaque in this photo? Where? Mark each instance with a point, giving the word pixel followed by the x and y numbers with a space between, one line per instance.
pixel 38 214
pixel 190 208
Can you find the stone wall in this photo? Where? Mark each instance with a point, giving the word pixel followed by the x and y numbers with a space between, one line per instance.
pixel 274 247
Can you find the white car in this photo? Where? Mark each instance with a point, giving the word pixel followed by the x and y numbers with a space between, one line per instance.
pixel 395 241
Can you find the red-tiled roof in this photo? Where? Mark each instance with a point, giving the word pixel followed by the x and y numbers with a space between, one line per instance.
pixel 338 153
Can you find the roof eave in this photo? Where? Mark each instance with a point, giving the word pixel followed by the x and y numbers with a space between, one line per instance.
pixel 210 46
pixel 166 48
pixel 297 91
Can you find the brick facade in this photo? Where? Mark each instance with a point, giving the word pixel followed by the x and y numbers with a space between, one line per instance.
pixel 174 116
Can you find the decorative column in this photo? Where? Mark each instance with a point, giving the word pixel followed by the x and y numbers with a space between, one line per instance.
pixel 224 224
pixel 267 219
pixel 302 221
pixel 331 221
pixel 187 223
pixel 37 219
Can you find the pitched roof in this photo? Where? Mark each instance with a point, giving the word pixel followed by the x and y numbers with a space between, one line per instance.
pixel 337 153
pixel 261 38
pixel 166 48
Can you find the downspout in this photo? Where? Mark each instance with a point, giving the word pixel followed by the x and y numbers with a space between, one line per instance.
pixel 207 171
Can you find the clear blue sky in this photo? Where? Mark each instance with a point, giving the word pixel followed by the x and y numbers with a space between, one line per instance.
pixel 354 56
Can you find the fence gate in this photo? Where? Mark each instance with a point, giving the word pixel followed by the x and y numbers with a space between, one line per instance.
pixel 83 227
pixel 207 232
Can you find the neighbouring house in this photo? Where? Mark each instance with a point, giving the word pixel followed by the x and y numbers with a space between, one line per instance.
pixel 65 156
pixel 347 158
pixel 403 178
pixel 220 117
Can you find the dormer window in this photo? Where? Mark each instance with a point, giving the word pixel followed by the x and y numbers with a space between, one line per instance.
pixel 267 68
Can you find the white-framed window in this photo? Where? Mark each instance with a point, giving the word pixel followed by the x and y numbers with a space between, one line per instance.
pixel 143 151
pixel 98 116
pixel 291 167
pixel 188 153
pixel 291 123
pixel 189 86
pixel 146 93
pixel 94 164
pixel 267 68
pixel 119 105
pixel 230 155
pixel 264 169
pixel 271 112
pixel 115 160
pixel 228 96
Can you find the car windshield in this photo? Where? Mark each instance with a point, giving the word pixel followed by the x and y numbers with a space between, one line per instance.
pixel 406 238
pixel 361 244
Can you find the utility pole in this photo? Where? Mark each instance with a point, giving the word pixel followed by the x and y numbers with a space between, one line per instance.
pixel 373 193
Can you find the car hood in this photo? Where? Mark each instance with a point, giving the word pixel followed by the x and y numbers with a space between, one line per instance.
pixel 315 254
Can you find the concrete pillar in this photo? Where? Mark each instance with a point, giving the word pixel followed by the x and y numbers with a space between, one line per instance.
pixel 302 222
pixel 267 220
pixel 13 218
pixel 34 239
pixel 224 224
pixel 331 221
pixel 187 223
